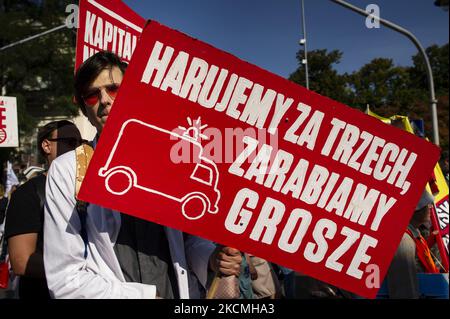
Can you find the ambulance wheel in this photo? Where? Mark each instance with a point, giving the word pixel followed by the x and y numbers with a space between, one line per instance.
pixel 119 182
pixel 194 207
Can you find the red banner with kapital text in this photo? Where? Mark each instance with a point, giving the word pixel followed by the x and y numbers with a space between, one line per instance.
pixel 107 25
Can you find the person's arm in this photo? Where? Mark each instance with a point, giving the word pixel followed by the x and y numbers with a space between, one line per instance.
pixel 198 252
pixel 402 273
pixel 23 225
pixel 69 274
pixel 3 205
pixel 25 261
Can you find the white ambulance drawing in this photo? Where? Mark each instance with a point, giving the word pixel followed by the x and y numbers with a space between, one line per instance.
pixel 195 187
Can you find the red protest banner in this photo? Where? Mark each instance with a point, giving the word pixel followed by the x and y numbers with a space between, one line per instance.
pixel 9 131
pixel 107 25
pixel 201 141
pixel 442 213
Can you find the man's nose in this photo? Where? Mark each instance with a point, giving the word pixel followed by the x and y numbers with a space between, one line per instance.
pixel 105 99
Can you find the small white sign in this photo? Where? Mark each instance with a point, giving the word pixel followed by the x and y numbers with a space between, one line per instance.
pixel 9 133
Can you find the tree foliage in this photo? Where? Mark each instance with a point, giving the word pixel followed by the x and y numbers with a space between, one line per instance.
pixel 323 78
pixel 39 72
pixel 388 89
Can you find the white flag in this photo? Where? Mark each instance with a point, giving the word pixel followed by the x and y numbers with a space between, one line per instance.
pixel 11 178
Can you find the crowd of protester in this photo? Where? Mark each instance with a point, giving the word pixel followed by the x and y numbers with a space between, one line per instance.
pixel 61 247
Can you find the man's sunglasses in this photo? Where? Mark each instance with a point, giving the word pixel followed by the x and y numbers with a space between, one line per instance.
pixel 69 141
pixel 93 97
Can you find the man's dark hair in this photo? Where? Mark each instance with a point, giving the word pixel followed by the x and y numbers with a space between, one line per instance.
pixel 46 131
pixel 90 69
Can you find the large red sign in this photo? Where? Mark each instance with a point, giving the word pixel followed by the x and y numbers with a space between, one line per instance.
pixel 201 141
pixel 107 25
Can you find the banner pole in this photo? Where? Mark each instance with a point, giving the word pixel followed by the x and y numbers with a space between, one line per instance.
pixel 213 288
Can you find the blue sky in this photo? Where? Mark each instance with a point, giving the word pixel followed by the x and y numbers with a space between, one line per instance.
pixel 266 32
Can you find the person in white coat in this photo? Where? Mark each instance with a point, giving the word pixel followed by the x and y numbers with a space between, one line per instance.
pixel 121 256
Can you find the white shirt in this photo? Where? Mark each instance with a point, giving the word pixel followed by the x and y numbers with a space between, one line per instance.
pixel 70 275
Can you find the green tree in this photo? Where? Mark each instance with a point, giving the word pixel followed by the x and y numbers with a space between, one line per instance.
pixel 323 78
pixel 40 72
pixel 438 57
pixel 385 87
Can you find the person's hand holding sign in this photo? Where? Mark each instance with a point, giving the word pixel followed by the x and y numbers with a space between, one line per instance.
pixel 226 261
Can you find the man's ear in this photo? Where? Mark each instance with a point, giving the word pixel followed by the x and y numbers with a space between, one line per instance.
pixel 46 146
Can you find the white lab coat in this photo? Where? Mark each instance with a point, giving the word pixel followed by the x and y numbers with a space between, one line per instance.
pixel 70 275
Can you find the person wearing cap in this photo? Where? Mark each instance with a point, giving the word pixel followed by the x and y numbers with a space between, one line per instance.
pixel 413 255
pixel 25 213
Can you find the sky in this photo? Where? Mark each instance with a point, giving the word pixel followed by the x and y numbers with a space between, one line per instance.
pixel 267 32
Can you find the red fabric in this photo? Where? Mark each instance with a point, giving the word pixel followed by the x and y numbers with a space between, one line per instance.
pixel 433 184
pixel 424 254
pixel 431 240
pixel 4 275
